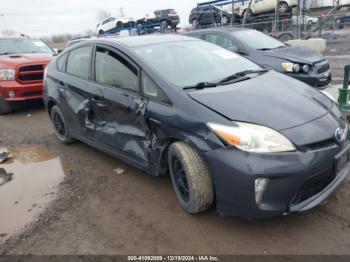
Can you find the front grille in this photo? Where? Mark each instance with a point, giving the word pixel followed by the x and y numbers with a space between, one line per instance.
pixel 31 73
pixel 321 144
pixel 29 94
pixel 313 186
pixel 322 67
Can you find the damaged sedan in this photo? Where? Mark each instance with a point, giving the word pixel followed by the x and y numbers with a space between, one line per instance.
pixel 252 142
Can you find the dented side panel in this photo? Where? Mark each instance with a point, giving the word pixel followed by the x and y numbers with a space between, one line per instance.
pixel 125 126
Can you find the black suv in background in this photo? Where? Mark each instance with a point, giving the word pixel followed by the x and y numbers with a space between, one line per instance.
pixel 207 15
pixel 162 18
pixel 343 20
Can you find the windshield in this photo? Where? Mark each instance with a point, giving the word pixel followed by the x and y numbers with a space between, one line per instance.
pixel 188 63
pixel 257 40
pixel 25 45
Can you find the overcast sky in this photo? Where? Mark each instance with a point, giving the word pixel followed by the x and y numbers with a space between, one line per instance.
pixel 47 17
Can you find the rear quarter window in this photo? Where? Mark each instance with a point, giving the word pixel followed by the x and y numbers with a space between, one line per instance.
pixel 61 62
pixel 78 62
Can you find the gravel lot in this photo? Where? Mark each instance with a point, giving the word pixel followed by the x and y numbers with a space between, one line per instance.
pixel 98 211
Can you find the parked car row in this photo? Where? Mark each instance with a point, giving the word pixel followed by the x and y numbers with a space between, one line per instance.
pixel 298 62
pixel 162 18
pixel 231 133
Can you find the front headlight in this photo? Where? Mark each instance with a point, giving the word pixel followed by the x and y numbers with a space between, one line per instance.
pixel 7 74
pixel 291 67
pixel 252 138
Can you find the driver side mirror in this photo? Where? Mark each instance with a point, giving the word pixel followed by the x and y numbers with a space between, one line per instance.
pixel 238 50
pixel 233 49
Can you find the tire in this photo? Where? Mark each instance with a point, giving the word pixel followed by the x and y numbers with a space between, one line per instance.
pixel 119 24
pixel 163 26
pixel 284 7
pixel 101 32
pixel 59 124
pixel 249 14
pixel 285 37
pixel 190 177
pixel 224 20
pixel 194 23
pixel 5 107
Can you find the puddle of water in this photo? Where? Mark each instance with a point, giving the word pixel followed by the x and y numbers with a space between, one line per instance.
pixel 37 173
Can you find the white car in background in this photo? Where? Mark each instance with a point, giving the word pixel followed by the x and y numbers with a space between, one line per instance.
pixel 308 20
pixel 110 25
pixel 266 6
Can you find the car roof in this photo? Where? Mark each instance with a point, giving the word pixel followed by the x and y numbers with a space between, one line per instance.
pixel 135 41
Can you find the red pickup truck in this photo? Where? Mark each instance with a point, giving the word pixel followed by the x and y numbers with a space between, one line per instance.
pixel 22 66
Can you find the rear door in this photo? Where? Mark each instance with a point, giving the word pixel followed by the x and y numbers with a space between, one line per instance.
pixel 78 94
pixel 125 128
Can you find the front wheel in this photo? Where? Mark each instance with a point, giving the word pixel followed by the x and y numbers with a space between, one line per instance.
pixel 5 107
pixel 60 125
pixel 190 177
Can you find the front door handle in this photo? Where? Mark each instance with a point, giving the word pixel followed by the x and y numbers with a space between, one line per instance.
pixel 140 103
pixel 98 102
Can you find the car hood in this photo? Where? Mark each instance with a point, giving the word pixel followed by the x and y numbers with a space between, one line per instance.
pixel 272 99
pixel 298 54
pixel 11 61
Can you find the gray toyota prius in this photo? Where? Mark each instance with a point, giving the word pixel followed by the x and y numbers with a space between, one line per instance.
pixel 248 141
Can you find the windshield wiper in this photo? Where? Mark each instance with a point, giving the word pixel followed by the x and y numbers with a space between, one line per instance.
pixel 5 53
pixel 240 75
pixel 264 49
pixel 201 85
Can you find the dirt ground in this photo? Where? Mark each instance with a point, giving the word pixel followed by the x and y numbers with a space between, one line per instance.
pixel 98 211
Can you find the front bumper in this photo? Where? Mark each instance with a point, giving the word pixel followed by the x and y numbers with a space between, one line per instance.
pixel 20 92
pixel 320 81
pixel 234 173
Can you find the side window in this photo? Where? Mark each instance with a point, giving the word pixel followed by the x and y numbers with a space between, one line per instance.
pixel 61 62
pixel 78 62
pixel 152 91
pixel 112 69
pixel 219 40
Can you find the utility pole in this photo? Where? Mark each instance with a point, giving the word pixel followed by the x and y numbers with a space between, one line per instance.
pixel 5 25
pixel 121 12
pixel 277 16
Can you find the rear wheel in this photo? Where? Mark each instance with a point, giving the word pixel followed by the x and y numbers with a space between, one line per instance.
pixel 195 23
pixel 284 7
pixel 248 13
pixel 119 24
pixel 224 20
pixel 5 107
pixel 190 177
pixel 163 26
pixel 60 125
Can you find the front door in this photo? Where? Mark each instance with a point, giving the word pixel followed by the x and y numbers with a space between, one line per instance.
pixel 125 127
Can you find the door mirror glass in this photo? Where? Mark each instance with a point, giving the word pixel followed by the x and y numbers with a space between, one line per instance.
pixel 152 91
